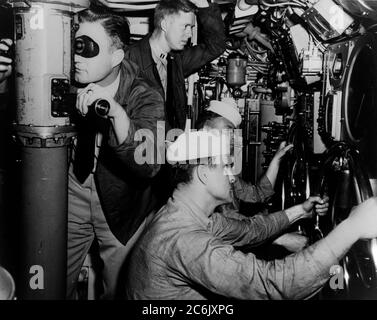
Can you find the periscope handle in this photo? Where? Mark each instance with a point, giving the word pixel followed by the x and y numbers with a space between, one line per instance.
pixel 101 107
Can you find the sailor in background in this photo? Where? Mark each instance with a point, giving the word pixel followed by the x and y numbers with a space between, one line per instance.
pixel 224 115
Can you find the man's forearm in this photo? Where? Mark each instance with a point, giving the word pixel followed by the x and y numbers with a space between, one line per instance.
pixel 342 238
pixel 212 40
pixel 294 213
pixel 324 254
pixel 313 264
pixel 272 172
pixel 121 125
pixel 239 230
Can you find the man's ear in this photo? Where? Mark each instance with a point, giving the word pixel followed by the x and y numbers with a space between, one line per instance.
pixel 164 24
pixel 117 57
pixel 202 174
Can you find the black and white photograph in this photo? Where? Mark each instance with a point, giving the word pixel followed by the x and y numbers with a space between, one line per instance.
pixel 188 154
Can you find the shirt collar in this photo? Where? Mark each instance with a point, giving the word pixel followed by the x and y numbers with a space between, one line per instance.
pixel 194 210
pixel 112 88
pixel 157 52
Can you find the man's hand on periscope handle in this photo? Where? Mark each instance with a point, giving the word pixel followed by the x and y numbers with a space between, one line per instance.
pixel 88 95
pixel 117 115
pixel 5 63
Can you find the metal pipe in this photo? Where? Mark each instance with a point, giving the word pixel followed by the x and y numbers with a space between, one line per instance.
pixel 43 37
pixel 43 243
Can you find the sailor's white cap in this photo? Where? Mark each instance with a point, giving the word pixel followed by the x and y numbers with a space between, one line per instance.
pixel 198 145
pixel 226 108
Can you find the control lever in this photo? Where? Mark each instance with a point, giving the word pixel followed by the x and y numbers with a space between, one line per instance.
pixel 100 107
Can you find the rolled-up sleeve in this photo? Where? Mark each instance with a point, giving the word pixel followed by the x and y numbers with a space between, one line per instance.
pixel 231 273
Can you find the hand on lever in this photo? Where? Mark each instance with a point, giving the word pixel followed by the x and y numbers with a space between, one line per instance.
pixel 5 62
pixel 321 205
pixel 88 95
pixel 305 210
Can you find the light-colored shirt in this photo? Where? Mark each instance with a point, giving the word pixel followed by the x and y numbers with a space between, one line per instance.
pixel 160 58
pixel 183 254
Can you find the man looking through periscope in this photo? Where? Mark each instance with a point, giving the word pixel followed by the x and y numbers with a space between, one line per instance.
pixel 104 179
pixel 107 202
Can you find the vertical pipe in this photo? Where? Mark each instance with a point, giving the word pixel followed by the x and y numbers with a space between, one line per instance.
pixel 43 223
pixel 42 37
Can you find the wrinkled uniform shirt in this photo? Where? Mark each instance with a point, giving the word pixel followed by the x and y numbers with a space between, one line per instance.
pixel 248 192
pixel 183 254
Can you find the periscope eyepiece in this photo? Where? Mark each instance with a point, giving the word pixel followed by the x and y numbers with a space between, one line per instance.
pixel 86 47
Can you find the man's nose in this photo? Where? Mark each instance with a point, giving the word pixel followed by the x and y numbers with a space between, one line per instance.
pixel 77 59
